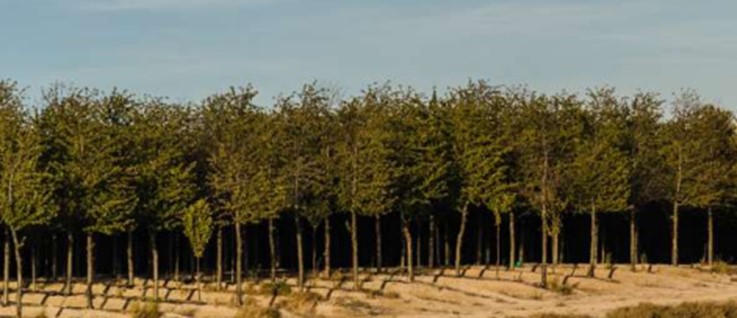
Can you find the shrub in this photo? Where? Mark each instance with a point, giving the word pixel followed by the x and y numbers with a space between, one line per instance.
pixel 281 288
pixel 720 267
pixel 301 303
pixel 251 309
pixel 148 309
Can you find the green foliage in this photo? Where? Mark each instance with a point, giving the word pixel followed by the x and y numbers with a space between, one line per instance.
pixel 198 225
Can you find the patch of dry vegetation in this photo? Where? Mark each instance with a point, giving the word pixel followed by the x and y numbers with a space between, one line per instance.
pixel 148 309
pixel 251 309
pixel 688 310
pixel 301 304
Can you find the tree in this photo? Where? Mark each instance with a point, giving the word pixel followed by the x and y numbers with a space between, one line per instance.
pixel 645 155
pixel 165 180
pixel 364 169
pixel 601 168
pixel 691 159
pixel 715 138
pixel 24 199
pixel 197 223
pixel 478 153
pixel 244 170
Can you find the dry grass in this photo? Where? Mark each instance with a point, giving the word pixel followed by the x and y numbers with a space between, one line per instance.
pixel 281 288
pixel 251 309
pixel 688 310
pixel 302 303
pixel 720 267
pixel 148 309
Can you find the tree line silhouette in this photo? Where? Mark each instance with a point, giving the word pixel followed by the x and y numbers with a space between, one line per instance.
pixel 130 171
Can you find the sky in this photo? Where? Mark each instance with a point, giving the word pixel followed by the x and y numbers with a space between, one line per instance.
pixel 188 49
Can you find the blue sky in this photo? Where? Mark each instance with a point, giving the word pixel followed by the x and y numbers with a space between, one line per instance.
pixel 187 49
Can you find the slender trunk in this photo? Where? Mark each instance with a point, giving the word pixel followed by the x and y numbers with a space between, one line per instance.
pixel 479 241
pixel 34 259
pixel 431 243
pixel 710 244
pixel 6 267
pixel 377 228
pixel 418 246
pixel 633 239
pixel 408 242
pixel 594 242
pixel 512 247
pixel 70 262
pixel 674 251
pixel 498 242
pixel 272 250
pixel 446 246
pixel 556 247
pixel 315 270
pixel 219 261
pixel 238 265
pixel 54 257
pixel 459 239
pixel 154 264
pixel 19 274
pixel 129 256
pixel 176 257
pixel 300 254
pixel 198 277
pixel 544 255
pixel 354 245
pixel 674 236
pixel 90 268
pixel 327 246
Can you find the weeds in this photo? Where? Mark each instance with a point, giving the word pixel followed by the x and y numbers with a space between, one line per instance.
pixel 148 309
pixel 694 310
pixel 251 309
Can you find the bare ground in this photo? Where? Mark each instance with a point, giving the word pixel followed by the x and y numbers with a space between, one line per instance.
pixel 435 293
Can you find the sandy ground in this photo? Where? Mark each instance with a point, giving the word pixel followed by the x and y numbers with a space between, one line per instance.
pixel 479 293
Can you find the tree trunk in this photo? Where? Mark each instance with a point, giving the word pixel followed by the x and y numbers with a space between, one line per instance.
pixel 594 242
pixel 479 241
pixel 129 256
pixel 300 254
pixel 315 270
pixel 154 264
pixel 238 265
pixel 633 239
pixel 54 257
pixel 70 262
pixel 710 244
pixel 431 243
pixel 219 261
pixel 34 259
pixel 354 250
pixel 408 242
pixel 512 247
pixel 19 274
pixel 272 250
pixel 6 268
pixel 674 251
pixel 377 228
pixel 498 245
pixel 90 268
pixel 327 246
pixel 198 277
pixel 556 248
pixel 459 239
pixel 544 255
pixel 176 257
pixel 446 246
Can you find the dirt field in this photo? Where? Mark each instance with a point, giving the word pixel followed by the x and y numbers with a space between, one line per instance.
pixel 479 293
